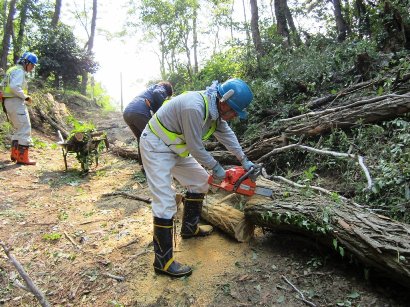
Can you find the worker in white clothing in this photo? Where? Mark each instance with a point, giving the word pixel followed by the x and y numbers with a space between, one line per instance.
pixel 15 100
pixel 172 144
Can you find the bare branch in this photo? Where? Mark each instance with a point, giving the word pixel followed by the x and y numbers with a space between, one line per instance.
pixel 298 291
pixel 325 152
pixel 30 284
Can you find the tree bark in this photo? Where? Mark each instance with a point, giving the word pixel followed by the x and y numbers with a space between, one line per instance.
pixel 282 28
pixel 18 44
pixel 218 211
pixel 387 108
pixel 8 31
pixel 256 37
pixel 340 21
pixel 289 19
pixel 375 240
pixel 90 45
pixel 56 15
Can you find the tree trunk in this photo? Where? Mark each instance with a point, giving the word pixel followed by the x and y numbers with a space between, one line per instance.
pixel 375 240
pixel 367 111
pixel 289 18
pixel 218 211
pixel 340 21
pixel 56 15
pixel 195 40
pixel 256 37
pixel 282 28
pixel 18 44
pixel 90 45
pixel 8 31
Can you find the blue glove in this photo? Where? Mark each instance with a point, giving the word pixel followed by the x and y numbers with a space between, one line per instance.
pixel 218 173
pixel 247 164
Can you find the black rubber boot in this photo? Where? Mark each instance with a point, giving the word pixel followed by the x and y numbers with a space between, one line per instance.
pixel 164 262
pixel 190 218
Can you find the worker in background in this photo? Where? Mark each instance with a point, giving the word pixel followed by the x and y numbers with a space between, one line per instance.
pixel 172 146
pixel 16 99
pixel 139 111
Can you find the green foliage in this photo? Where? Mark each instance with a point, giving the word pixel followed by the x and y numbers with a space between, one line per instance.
pixel 100 95
pixel 52 236
pixel 391 172
pixel 61 60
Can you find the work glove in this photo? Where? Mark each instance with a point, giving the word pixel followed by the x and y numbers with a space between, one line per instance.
pixel 28 100
pixel 247 164
pixel 218 173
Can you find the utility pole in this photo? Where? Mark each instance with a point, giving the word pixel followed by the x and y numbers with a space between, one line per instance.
pixel 122 105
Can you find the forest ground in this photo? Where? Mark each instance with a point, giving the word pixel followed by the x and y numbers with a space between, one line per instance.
pixel 112 236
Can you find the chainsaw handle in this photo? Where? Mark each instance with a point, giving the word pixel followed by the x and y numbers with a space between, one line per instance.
pixel 243 177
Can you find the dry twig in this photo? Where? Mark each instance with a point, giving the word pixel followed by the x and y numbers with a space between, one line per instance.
pixel 128 195
pixel 31 287
pixel 71 240
pixel 116 277
pixel 298 291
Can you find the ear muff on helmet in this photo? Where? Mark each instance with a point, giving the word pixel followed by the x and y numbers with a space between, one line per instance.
pixel 241 98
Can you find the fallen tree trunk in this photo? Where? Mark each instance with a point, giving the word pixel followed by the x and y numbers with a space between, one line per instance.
pixel 377 241
pixel 367 111
pixel 220 213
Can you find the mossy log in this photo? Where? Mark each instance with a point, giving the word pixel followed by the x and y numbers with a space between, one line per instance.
pixel 377 241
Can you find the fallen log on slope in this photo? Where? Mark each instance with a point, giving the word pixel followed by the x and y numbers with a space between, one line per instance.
pixel 218 211
pixel 374 110
pixel 377 241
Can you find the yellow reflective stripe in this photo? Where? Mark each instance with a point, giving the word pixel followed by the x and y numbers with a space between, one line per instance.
pixel 210 131
pixel 162 226
pixel 168 264
pixel 7 93
pixel 194 199
pixel 176 141
pixel 197 230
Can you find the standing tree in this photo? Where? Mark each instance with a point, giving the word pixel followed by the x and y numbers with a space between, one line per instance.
pixel 256 37
pixel 18 41
pixel 56 14
pixel 282 25
pixel 8 32
pixel 341 24
pixel 89 46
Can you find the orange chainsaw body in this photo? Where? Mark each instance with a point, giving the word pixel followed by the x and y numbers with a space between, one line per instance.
pixel 246 187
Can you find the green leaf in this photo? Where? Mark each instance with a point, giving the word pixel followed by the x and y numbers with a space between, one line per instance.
pixel 335 243
pixel 354 294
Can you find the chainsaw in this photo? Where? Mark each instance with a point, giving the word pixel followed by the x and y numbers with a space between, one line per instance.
pixel 240 181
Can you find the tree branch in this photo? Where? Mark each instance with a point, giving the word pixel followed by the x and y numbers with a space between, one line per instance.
pixel 30 284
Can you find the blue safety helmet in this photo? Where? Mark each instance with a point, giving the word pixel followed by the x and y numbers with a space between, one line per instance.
pixel 30 57
pixel 241 97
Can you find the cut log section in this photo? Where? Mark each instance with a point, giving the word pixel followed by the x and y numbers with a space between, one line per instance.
pixel 377 241
pixel 219 211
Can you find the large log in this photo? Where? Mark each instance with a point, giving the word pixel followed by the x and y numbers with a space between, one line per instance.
pixel 375 240
pixel 372 110
pixel 218 211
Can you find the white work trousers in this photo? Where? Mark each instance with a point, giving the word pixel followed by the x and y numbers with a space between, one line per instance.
pixel 20 119
pixel 160 165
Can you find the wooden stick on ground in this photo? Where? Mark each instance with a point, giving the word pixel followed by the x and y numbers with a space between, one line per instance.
pixel 298 291
pixel 71 240
pixel 128 195
pixel 30 284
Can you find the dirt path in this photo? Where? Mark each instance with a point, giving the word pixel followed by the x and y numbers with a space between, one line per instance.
pixel 73 241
